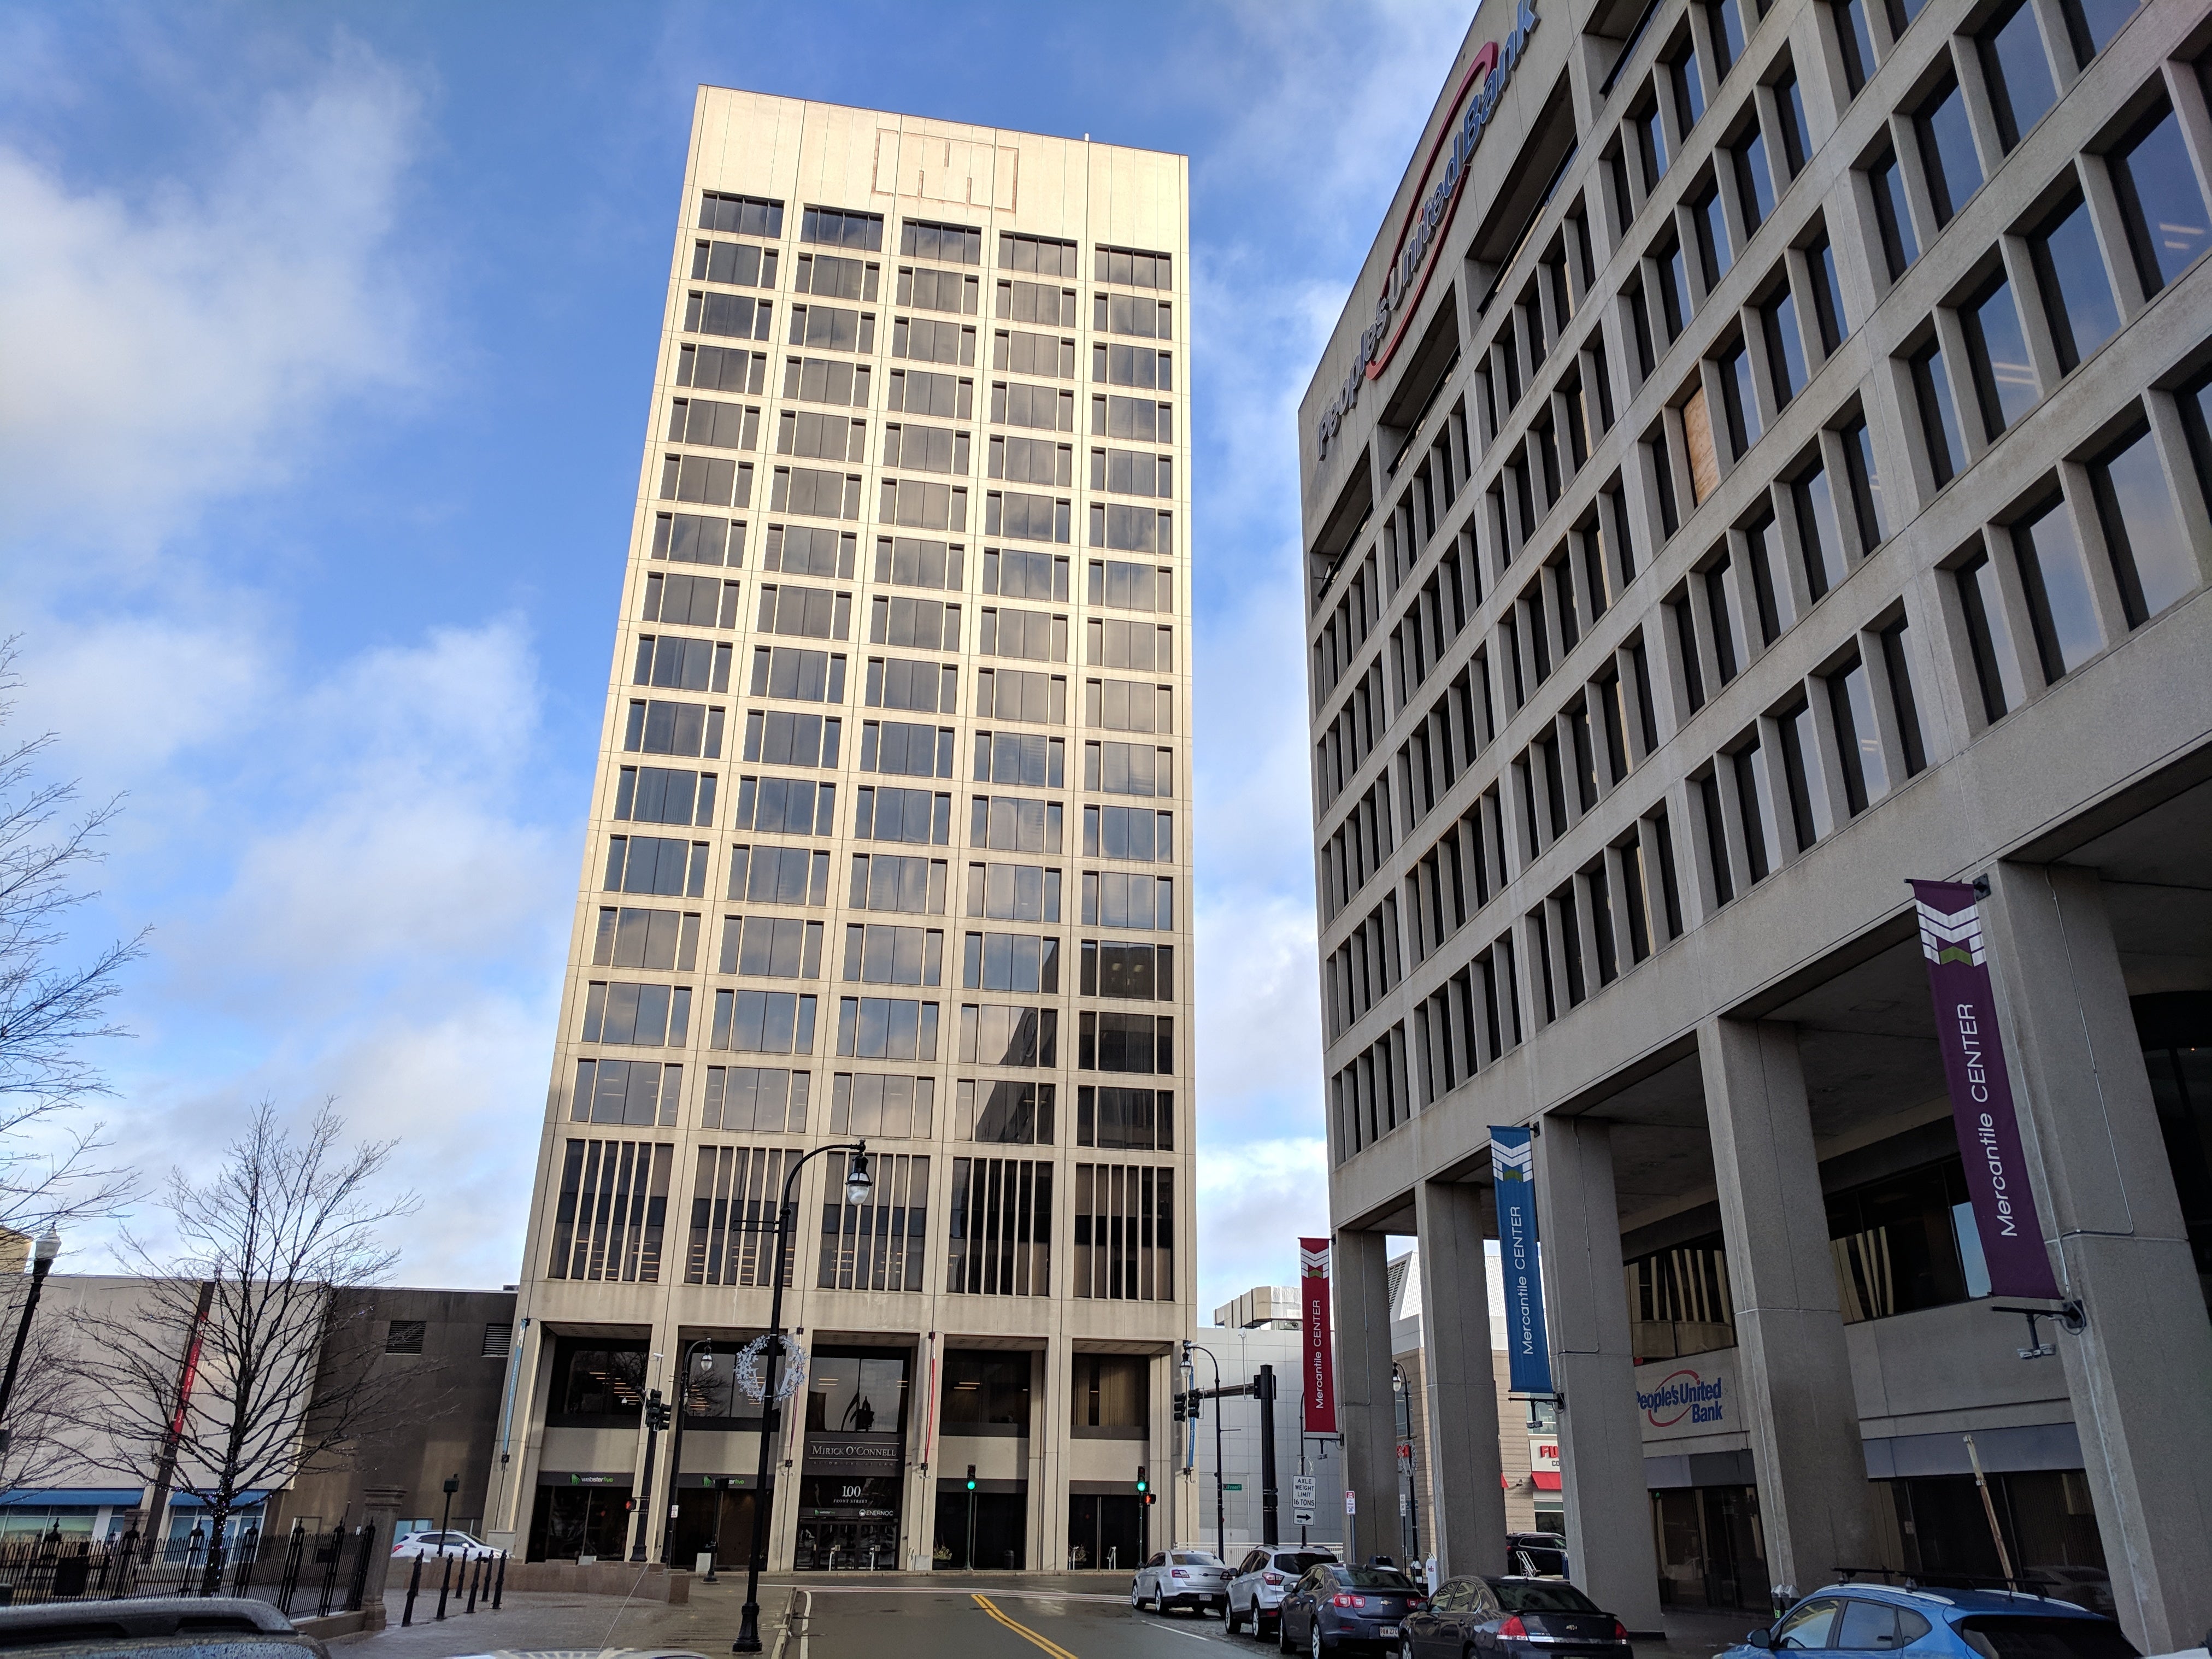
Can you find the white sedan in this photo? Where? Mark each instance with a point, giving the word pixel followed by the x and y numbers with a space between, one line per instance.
pixel 1181 1579
pixel 452 1545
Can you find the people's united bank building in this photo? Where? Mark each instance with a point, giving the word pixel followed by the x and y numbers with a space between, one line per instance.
pixel 1764 461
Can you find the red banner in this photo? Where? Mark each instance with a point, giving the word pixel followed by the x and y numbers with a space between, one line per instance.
pixel 1318 1386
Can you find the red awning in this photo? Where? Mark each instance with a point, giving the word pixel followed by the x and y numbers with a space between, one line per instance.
pixel 1546 1479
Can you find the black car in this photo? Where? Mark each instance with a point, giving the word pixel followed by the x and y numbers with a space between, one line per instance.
pixel 1335 1606
pixel 1512 1618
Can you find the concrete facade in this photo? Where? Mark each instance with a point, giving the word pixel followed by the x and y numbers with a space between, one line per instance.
pixel 915 490
pixel 1775 466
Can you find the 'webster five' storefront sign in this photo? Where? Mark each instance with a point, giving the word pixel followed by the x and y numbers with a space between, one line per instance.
pixel 1431 216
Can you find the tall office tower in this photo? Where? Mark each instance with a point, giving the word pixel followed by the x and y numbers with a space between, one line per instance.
pixel 889 842
pixel 1764 459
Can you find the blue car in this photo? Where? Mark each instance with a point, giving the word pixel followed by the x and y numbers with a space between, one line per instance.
pixel 1939 1624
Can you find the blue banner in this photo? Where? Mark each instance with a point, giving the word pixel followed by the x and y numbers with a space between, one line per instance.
pixel 1527 1353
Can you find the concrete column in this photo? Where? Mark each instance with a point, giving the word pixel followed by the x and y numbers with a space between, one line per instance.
pixel 1053 1431
pixel 381 1509
pixel 1593 1367
pixel 1466 1507
pixel 1798 1404
pixel 1366 1412
pixel 2137 1371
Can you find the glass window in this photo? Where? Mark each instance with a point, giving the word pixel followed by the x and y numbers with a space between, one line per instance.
pixel 2077 294
pixel 1712 236
pixel 2012 1635
pixel 1689 89
pixel 2151 555
pixel 1896 1250
pixel 1796 728
pixel 1728 22
pixel 2018 72
pixel 1900 247
pixel 1790 104
pixel 1755 798
pixel 2004 376
pixel 1990 637
pixel 1785 348
pixel 1809 1625
pixel 1866 485
pixel 1740 400
pixel 1651 141
pixel 1939 414
pixel 1827 294
pixel 1674 286
pixel 986 1389
pixel 2091 23
pixel 1947 152
pixel 1856 40
pixel 2060 602
pixel 2159 197
pixel 1754 181
pixel 1818 530
pixel 1859 737
pixel 1902 702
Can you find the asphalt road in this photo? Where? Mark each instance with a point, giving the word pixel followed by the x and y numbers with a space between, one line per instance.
pixel 885 1616
pixel 990 1621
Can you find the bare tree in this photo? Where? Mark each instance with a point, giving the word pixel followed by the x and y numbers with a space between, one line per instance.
pixel 248 1364
pixel 50 1170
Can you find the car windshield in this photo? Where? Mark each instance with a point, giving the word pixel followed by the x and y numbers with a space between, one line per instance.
pixel 1375 1578
pixel 1534 1596
pixel 1195 1559
pixel 2022 1636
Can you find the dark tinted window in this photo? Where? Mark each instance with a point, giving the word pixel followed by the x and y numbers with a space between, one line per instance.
pixel 1538 1596
pixel 1301 1560
pixel 2004 1636
pixel 1375 1578
pixel 1877 1625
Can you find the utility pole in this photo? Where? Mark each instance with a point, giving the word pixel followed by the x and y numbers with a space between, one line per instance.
pixel 656 1419
pixel 1263 1388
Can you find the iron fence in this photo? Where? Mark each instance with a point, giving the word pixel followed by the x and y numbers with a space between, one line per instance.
pixel 300 1572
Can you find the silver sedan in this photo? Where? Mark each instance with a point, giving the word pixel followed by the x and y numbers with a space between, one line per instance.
pixel 1181 1579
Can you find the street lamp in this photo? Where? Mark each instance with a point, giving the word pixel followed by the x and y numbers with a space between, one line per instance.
pixel 1220 1521
pixel 859 1188
pixel 42 1263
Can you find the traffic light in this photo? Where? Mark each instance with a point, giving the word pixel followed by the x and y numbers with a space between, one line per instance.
pixel 971 1477
pixel 656 1414
pixel 1143 1485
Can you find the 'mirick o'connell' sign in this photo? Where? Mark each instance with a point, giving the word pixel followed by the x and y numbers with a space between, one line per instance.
pixel 1981 1091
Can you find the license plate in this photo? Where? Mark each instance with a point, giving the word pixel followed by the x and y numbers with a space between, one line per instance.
pixel 1389 1630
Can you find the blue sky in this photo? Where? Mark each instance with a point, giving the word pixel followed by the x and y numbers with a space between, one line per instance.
pixel 327 332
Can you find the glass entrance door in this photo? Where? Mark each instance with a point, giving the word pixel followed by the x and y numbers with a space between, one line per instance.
pixel 571 1521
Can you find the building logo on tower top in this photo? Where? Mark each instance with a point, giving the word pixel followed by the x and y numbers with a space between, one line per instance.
pixel 1431 216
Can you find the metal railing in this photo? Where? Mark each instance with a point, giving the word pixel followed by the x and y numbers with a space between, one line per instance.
pixel 332 1567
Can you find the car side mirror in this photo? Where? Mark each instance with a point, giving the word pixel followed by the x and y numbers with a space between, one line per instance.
pixel 1761 1637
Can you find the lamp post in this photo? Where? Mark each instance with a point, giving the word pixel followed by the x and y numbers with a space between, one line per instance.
pixel 1220 1521
pixel 452 1486
pixel 860 1186
pixel 691 1352
pixel 42 1263
pixel 1404 1391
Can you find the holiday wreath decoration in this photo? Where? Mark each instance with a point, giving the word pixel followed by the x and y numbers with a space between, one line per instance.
pixel 749 1363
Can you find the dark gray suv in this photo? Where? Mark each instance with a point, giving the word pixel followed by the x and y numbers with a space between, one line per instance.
pixel 1334 1607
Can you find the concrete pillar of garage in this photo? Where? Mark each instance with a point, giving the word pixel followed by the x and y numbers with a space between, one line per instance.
pixel 1366 1412
pixel 1467 1505
pixel 1593 1367
pixel 1798 1404
pixel 2140 1371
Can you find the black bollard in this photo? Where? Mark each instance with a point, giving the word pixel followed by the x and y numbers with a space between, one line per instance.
pixel 475 1570
pixel 444 1584
pixel 414 1585
pixel 499 1584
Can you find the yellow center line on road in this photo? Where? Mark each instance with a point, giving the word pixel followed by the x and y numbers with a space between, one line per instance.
pixel 1022 1630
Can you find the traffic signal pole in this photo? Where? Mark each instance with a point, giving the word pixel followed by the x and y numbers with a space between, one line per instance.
pixel 655 1414
pixel 1263 1386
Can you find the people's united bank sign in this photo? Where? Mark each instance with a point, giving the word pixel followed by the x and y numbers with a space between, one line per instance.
pixel 1431 216
pixel 1683 1397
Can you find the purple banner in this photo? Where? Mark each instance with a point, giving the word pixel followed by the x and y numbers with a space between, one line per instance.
pixel 1981 1092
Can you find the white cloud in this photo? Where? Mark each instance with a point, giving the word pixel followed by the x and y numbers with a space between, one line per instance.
pixel 178 340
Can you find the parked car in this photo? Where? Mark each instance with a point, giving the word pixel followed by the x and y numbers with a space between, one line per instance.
pixel 1512 1618
pixel 450 1544
pixel 2085 1587
pixel 1946 1624
pixel 1181 1579
pixel 158 1627
pixel 1335 1606
pixel 1262 1580
pixel 1536 1555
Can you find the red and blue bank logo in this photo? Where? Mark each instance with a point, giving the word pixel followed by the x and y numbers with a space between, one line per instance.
pixel 1681 1395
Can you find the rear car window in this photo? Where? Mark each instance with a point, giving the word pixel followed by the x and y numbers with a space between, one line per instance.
pixel 1528 1596
pixel 2023 1636
pixel 1302 1560
pixel 1380 1578
pixel 1194 1559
